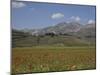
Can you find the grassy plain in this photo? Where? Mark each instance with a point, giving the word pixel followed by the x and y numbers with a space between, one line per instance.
pixel 50 59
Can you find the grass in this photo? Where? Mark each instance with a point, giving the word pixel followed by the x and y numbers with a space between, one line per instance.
pixel 52 41
pixel 49 59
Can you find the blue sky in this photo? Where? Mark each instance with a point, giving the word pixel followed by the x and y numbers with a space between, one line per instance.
pixel 39 15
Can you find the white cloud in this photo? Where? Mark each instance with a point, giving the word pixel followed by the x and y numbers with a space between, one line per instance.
pixel 75 18
pixel 72 17
pixel 18 4
pixel 57 16
pixel 91 21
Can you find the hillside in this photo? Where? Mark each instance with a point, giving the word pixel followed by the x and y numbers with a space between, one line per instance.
pixel 62 34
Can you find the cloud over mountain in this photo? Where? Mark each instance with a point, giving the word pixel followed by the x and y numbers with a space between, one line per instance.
pixel 57 15
pixel 91 21
pixel 75 18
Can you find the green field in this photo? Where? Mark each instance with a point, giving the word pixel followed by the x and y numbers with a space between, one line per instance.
pixel 50 59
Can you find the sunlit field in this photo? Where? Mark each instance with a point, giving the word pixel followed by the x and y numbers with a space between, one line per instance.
pixel 51 59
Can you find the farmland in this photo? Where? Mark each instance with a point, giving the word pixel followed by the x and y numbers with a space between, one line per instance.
pixel 50 59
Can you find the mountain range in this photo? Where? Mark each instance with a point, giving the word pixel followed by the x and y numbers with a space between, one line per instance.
pixel 69 34
pixel 73 28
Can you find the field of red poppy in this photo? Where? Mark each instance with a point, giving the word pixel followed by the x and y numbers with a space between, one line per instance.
pixel 52 59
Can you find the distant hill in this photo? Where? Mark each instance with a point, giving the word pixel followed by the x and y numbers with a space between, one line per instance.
pixel 64 27
pixel 88 32
pixel 66 34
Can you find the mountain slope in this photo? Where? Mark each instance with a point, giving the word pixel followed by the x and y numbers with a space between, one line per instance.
pixel 63 27
pixel 77 35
